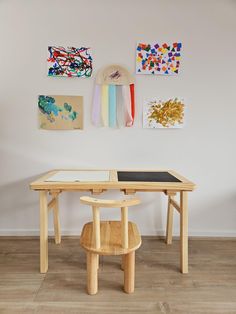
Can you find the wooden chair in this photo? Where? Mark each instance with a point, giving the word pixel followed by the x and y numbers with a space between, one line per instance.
pixel 110 238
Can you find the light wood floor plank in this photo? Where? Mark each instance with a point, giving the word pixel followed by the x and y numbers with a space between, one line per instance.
pixel 19 287
pixel 210 286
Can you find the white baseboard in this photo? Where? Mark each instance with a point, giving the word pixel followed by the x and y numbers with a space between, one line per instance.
pixel 160 232
pixel 35 232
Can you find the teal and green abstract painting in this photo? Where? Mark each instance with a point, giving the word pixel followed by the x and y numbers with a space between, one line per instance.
pixel 60 112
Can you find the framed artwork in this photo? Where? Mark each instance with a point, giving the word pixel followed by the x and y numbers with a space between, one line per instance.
pixel 60 112
pixel 69 62
pixel 162 59
pixel 163 114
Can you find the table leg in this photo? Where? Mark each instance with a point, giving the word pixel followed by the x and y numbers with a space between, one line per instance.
pixel 43 231
pixel 56 220
pixel 169 226
pixel 184 232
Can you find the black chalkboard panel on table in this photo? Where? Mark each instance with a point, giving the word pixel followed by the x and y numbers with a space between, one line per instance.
pixel 146 176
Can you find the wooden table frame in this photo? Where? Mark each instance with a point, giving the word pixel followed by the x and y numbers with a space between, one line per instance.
pixel 168 188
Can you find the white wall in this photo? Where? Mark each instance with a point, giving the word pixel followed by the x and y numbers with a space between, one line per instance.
pixel 204 151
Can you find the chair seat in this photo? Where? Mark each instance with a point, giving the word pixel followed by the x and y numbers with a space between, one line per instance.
pixel 110 238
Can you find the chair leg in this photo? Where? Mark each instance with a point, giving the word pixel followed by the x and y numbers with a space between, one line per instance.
pixel 92 273
pixel 129 272
pixel 122 266
pixel 169 226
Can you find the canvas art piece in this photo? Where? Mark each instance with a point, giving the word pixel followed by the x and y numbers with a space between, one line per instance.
pixel 60 112
pixel 162 59
pixel 114 101
pixel 163 114
pixel 69 62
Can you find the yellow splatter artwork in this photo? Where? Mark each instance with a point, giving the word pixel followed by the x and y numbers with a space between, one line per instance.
pixel 163 114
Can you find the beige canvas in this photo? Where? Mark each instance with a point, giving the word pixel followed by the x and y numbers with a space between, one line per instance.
pixel 57 112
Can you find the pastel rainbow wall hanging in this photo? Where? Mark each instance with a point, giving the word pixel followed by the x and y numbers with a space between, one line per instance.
pixel 114 101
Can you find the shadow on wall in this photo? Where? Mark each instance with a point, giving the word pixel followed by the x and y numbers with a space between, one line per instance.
pixel 19 210
pixel 148 215
pixel 19 206
pixel 213 218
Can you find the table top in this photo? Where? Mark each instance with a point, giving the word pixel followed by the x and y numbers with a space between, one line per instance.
pixel 137 180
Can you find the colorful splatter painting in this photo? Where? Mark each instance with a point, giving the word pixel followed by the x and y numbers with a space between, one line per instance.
pixel 163 114
pixel 70 62
pixel 60 112
pixel 158 59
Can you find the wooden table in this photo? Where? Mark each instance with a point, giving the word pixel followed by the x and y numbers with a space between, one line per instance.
pixel 128 187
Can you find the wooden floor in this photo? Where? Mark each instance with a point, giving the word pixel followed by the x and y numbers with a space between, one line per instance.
pixel 210 287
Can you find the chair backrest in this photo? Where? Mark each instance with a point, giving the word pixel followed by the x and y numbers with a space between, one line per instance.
pixel 123 204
